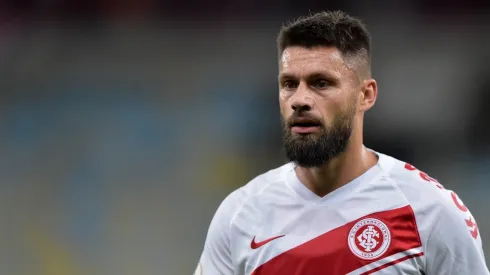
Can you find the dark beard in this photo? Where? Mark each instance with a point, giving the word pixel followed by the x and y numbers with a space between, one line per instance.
pixel 314 150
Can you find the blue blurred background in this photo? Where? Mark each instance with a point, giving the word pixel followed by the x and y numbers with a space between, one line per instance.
pixel 123 124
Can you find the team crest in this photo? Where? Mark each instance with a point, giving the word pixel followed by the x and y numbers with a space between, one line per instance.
pixel 369 239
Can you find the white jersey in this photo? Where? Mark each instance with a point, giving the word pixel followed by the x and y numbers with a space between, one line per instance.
pixel 393 219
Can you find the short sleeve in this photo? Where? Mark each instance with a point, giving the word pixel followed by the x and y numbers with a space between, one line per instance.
pixel 216 258
pixel 454 245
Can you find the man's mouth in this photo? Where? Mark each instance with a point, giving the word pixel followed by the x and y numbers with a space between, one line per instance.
pixel 304 126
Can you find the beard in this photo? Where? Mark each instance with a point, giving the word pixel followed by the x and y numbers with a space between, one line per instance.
pixel 317 149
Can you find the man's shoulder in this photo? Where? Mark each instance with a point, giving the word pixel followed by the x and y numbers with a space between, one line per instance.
pixel 409 179
pixel 447 229
pixel 259 185
pixel 265 180
pixel 426 195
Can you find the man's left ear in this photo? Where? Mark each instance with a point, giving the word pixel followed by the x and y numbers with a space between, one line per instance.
pixel 369 93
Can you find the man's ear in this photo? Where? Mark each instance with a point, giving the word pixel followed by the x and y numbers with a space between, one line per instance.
pixel 369 93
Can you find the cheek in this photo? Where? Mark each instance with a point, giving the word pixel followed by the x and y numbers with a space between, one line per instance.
pixel 283 98
pixel 352 103
pixel 283 105
pixel 329 106
pixel 341 102
pixel 330 109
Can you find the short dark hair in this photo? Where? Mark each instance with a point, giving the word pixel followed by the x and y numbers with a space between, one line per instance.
pixel 330 29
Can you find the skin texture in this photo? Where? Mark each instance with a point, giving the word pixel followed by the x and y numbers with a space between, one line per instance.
pixel 320 84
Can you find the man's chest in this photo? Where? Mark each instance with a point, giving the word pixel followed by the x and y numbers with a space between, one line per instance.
pixel 292 239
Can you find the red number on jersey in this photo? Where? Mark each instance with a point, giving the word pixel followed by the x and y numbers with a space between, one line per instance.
pixel 423 175
pixel 470 222
pixel 410 167
pixel 458 204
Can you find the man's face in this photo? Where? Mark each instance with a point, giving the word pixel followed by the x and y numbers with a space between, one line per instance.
pixel 318 99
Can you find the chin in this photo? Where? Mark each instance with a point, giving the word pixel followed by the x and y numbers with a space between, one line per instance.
pixel 308 136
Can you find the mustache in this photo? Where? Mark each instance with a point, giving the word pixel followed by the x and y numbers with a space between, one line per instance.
pixel 303 119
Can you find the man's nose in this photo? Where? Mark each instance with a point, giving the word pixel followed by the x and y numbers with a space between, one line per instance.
pixel 302 100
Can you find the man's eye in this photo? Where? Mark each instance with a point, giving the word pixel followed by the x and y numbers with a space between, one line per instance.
pixel 289 84
pixel 321 84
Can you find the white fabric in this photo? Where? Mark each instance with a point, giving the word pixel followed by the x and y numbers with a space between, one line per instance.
pixel 277 204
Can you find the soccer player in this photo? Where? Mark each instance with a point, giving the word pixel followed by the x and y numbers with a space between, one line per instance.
pixel 337 207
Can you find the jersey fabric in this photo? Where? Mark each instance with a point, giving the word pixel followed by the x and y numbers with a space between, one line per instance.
pixel 393 219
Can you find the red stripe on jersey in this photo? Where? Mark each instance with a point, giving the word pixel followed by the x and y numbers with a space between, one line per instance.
pixel 392 263
pixel 330 254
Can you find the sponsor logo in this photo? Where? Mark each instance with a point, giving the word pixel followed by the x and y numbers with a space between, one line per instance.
pixel 255 245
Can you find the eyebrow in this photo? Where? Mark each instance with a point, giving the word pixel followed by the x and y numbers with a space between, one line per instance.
pixel 317 74
pixel 283 76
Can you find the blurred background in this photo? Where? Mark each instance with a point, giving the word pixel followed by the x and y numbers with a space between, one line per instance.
pixel 123 124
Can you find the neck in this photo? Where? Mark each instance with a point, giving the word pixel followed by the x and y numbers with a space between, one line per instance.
pixel 352 163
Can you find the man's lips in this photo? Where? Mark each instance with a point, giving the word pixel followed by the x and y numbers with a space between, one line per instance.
pixel 305 129
pixel 304 125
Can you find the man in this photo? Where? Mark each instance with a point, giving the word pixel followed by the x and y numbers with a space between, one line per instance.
pixel 337 207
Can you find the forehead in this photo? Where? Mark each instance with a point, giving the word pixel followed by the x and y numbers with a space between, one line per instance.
pixel 303 61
